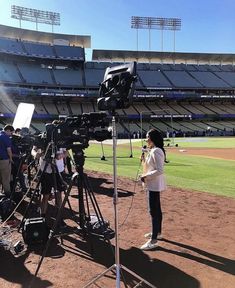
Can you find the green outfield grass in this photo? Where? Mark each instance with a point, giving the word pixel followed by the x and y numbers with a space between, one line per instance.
pixel 206 142
pixel 202 174
pixel 184 171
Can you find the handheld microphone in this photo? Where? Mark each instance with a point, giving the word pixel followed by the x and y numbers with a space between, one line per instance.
pixel 144 150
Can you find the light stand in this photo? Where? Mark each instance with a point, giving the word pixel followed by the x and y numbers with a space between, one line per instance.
pixel 131 155
pixel 102 148
pixel 116 92
pixel 117 266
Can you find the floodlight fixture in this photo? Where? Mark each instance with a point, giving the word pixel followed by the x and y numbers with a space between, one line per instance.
pixel 168 23
pixel 157 23
pixel 34 15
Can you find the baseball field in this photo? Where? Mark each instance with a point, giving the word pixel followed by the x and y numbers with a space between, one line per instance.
pixel 197 249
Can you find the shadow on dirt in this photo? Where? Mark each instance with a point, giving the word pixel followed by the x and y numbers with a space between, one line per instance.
pixel 155 271
pixel 14 270
pixel 215 261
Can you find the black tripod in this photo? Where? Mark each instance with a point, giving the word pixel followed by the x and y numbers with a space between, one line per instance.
pixel 17 172
pixel 49 160
pixel 87 226
pixel 86 219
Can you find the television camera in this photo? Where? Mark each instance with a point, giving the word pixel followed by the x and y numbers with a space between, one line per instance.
pixel 74 132
pixel 23 142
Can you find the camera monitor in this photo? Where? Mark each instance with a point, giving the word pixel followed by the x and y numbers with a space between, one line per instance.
pixel 116 91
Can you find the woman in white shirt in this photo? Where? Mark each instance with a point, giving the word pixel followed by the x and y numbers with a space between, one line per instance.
pixel 154 182
pixel 50 180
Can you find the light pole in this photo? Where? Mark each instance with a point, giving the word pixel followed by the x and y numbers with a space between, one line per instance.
pixel 173 24
pixel 149 23
pixel 158 23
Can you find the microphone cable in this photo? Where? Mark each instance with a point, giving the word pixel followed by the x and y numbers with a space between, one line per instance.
pixel 132 199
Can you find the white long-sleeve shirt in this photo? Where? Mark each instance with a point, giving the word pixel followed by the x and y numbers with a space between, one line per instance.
pixel 153 170
pixel 60 154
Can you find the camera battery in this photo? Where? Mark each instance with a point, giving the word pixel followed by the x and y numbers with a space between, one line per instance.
pixel 35 231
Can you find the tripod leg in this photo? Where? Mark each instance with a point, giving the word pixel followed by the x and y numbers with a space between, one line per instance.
pixel 96 207
pixel 70 207
pixel 71 210
pixel 39 172
pixel 29 204
pixel 53 230
pixel 142 280
pixel 110 269
pixel 15 174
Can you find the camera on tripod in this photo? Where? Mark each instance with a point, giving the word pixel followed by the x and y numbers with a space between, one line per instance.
pixel 24 143
pixel 74 132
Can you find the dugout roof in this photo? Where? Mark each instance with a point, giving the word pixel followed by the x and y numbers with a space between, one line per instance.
pixel 163 57
pixel 43 37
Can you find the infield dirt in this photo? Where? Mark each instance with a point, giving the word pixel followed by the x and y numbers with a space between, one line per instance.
pixel 197 250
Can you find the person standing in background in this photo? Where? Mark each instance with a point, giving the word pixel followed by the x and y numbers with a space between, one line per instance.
pixel 153 179
pixel 6 158
pixel 50 177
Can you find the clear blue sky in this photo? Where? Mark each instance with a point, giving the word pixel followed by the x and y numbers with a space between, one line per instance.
pixel 207 25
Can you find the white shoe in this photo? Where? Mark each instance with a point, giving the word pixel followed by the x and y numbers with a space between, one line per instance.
pixel 149 235
pixel 149 245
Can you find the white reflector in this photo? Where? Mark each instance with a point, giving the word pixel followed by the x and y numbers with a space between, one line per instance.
pixel 23 115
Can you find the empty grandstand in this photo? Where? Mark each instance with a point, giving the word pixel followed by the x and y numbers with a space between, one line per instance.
pixel 181 94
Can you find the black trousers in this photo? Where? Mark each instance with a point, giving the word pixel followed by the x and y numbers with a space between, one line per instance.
pixel 155 212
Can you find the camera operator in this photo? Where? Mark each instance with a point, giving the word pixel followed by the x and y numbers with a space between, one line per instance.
pixel 50 178
pixel 6 158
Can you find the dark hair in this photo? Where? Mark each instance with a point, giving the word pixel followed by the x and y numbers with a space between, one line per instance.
pixel 8 127
pixel 17 130
pixel 156 137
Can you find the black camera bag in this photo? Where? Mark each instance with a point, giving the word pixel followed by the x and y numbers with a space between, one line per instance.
pixel 35 231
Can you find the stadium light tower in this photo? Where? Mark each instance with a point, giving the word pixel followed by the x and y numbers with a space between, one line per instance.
pixel 143 23
pixel 150 23
pixel 34 15
pixel 173 24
